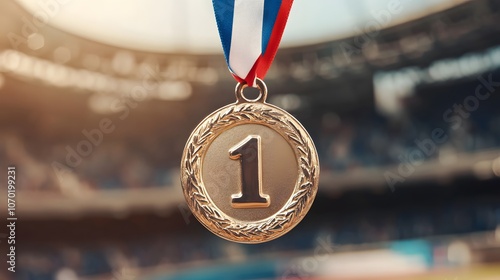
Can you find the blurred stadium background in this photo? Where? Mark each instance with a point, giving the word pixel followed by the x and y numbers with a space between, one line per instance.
pixel 401 98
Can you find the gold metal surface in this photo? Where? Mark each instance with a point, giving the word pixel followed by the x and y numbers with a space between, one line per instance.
pixel 249 154
pixel 222 179
pixel 282 156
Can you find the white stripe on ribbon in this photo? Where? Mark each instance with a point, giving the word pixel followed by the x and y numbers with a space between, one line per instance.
pixel 246 38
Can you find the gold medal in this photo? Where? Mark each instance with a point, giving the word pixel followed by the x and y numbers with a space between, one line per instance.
pixel 249 170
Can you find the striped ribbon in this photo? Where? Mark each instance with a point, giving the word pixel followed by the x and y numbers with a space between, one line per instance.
pixel 250 31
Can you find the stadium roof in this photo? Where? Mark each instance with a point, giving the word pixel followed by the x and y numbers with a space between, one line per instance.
pixel 189 25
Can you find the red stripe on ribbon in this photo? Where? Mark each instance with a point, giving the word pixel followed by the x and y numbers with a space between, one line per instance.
pixel 263 63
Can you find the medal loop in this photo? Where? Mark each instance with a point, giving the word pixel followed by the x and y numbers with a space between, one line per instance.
pixel 240 97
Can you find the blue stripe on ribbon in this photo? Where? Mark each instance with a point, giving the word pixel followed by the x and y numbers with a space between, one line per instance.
pixel 224 12
pixel 271 9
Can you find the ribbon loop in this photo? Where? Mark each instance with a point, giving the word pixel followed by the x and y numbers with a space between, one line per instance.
pixel 250 31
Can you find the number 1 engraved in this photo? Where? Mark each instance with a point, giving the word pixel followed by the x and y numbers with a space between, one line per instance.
pixel 248 152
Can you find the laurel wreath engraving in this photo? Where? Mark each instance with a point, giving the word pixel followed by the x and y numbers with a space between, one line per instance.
pixel 294 209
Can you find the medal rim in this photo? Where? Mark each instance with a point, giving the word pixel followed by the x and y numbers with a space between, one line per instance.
pixel 296 207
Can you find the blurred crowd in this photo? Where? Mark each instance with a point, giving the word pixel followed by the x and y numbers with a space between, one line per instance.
pixel 375 141
pixel 177 251
pixel 344 144
pixel 44 167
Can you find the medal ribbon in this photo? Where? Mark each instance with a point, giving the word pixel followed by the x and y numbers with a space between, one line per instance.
pixel 250 31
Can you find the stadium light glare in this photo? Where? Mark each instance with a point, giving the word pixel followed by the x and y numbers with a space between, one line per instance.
pixel 189 25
